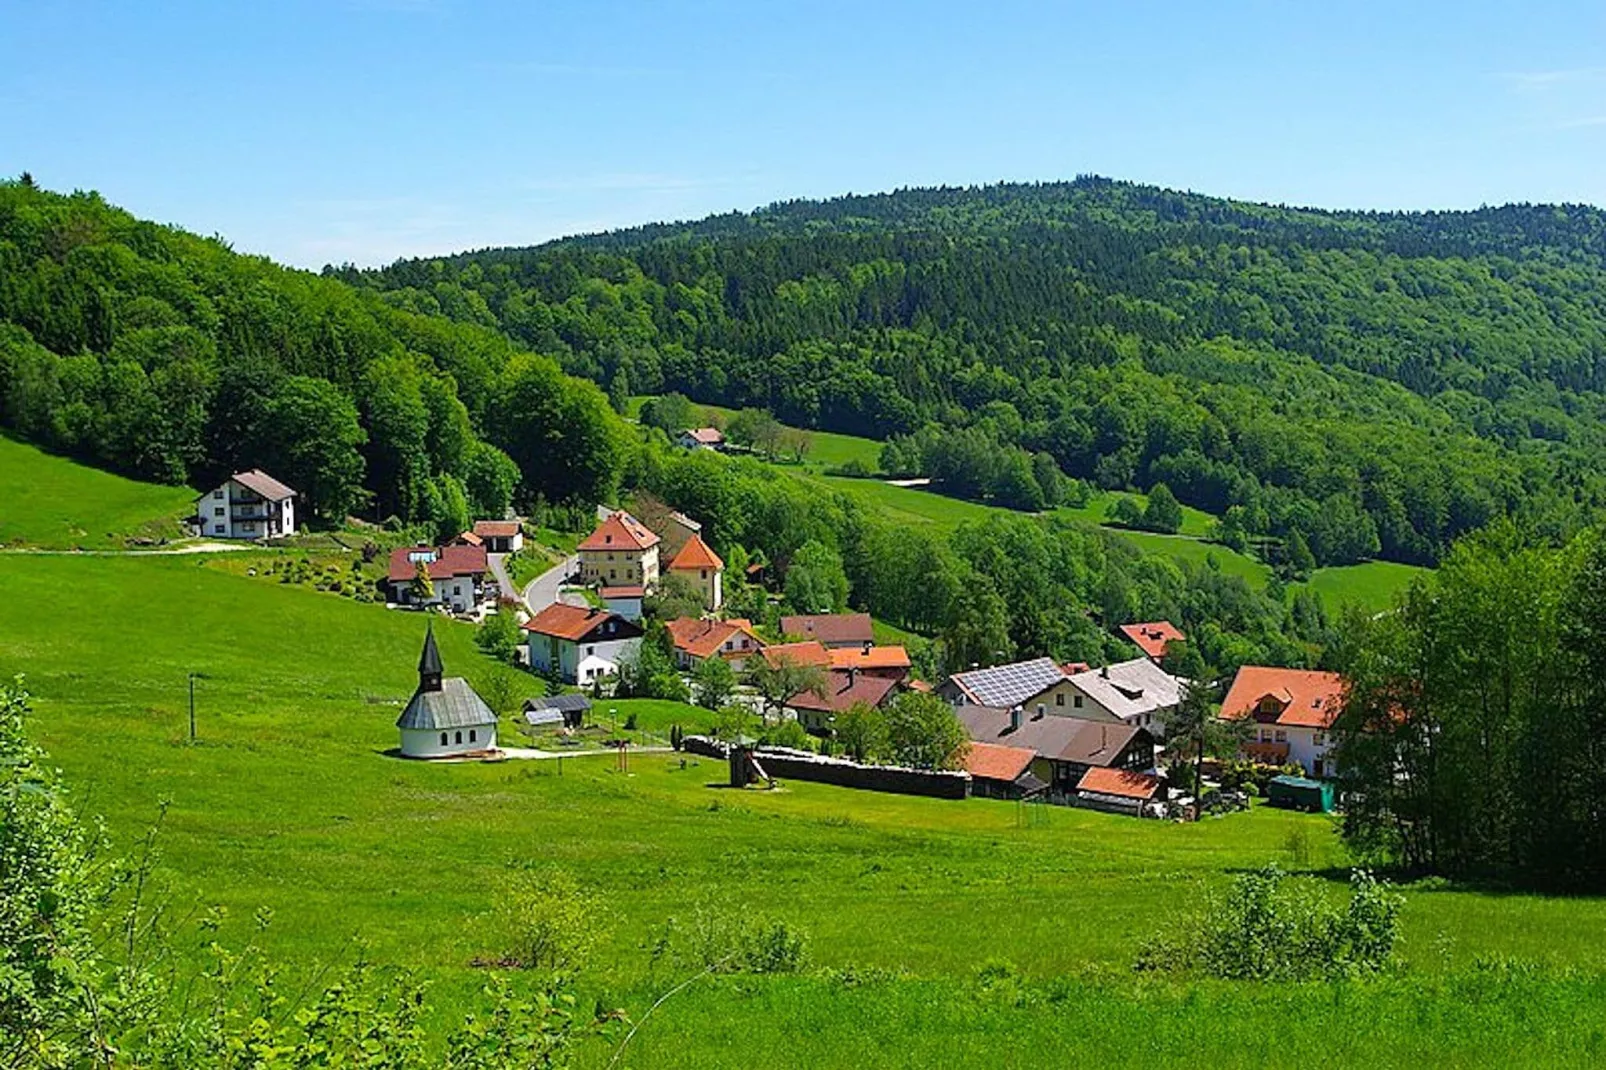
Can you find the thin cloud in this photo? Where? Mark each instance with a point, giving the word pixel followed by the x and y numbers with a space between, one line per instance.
pixel 1572 76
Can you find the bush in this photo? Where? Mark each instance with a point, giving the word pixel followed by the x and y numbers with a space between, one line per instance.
pixel 1264 930
pixel 787 734
pixel 722 939
pixel 546 920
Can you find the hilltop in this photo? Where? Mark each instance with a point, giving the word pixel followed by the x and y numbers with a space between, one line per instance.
pixel 1375 384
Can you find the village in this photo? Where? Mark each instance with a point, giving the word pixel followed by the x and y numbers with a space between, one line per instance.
pixel 802 695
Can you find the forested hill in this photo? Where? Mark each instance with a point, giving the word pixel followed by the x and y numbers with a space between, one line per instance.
pixel 1372 383
pixel 165 356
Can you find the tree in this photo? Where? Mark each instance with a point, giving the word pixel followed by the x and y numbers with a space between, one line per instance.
pixel 421 589
pixel 1193 726
pixel 779 682
pixel 1301 562
pixel 313 441
pixel 650 674
pixel 1124 512
pixel 924 732
pixel 503 688
pixel 1164 512
pixel 619 391
pixel 670 413
pixel 713 682
pixel 673 598
pixel 861 729
pixel 816 582
pixel 499 634
pixel 732 722
pixel 491 479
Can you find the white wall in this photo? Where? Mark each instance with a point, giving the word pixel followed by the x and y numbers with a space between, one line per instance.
pixel 1303 749
pixel 419 743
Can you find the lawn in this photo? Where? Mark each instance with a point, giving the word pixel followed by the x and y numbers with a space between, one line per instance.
pixel 1373 585
pixel 55 503
pixel 289 800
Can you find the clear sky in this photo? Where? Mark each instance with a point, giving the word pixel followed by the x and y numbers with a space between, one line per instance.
pixel 329 130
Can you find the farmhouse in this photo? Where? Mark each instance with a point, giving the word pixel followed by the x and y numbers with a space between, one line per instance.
pixel 702 438
pixel 1065 747
pixel 1001 772
pixel 500 536
pixel 444 718
pixel 1137 692
pixel 830 629
pixel 703 569
pixel 621 551
pixel 247 505
pixel 1293 712
pixel 695 640
pixel 1153 636
pixel 456 574
pixel 580 644
pixel 843 688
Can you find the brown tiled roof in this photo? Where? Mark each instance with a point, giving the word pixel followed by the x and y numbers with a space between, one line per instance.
pixel 702 638
pixel 1305 699
pixel 696 555
pixel 258 480
pixel 809 653
pixel 1152 636
pixel 1069 739
pixel 844 689
pixel 623 592
pixel 708 436
pixel 830 628
pixel 455 560
pixel 620 531
pixel 496 529
pixel 570 622
pixel 877 657
pixel 1121 782
pixel 468 538
pixel 993 761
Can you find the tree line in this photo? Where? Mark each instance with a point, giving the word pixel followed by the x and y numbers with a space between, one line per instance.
pixel 1374 384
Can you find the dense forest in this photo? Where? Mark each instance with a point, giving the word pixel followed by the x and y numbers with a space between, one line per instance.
pixel 167 357
pixel 1375 383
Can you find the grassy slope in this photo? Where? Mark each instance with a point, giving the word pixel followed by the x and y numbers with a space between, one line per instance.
pixel 54 503
pixel 290 801
pixel 1372 585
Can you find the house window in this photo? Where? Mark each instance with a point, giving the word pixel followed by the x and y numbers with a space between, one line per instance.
pixel 1319 739
pixel 1265 735
pixel 472 736
pixel 1059 699
pixel 610 557
pixel 443 739
pixel 218 494
pixel 218 511
pixel 590 650
pixel 1282 736
pixel 219 529
pixel 611 573
pixel 705 573
pixel 1078 702
pixel 459 737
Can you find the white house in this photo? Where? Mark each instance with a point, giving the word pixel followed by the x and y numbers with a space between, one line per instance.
pixel 1293 711
pixel 1136 692
pixel 456 574
pixel 580 644
pixel 702 438
pixel 248 505
pixel 500 536
pixel 444 718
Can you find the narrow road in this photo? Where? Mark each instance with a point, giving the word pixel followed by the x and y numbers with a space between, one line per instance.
pixel 545 588
pixel 504 582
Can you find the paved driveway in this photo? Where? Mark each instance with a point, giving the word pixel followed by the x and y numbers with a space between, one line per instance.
pixel 546 588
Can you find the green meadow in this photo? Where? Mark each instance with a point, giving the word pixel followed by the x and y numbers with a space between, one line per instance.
pixel 967 933
pixel 53 503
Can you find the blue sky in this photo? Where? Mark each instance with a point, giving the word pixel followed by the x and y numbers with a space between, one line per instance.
pixel 366 130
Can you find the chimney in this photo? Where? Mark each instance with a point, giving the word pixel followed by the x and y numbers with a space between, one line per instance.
pixel 1104 737
pixel 867 644
pixel 1014 718
pixel 1104 671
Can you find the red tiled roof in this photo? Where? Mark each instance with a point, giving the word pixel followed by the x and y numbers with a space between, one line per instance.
pixel 620 531
pixel 623 592
pixel 1152 636
pixel 809 653
pixel 468 538
pixel 702 638
pixel 1304 698
pixel 449 561
pixel 696 555
pixel 993 761
pixel 830 628
pixel 1122 782
pixel 708 436
pixel 496 529
pixel 566 621
pixel 877 657
pixel 922 687
pixel 842 692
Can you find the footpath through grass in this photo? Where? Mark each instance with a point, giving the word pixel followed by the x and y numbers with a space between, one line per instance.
pixel 57 504
pixel 289 800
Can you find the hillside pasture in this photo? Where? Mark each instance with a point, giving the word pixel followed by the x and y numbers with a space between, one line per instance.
pixel 56 504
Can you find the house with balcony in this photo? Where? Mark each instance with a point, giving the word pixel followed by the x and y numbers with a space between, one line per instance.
pixel 1291 713
pixel 247 505
pixel 456 575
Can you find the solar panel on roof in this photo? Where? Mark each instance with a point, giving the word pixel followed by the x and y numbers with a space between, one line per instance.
pixel 1008 685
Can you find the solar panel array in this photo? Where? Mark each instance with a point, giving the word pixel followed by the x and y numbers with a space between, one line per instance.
pixel 1010 685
